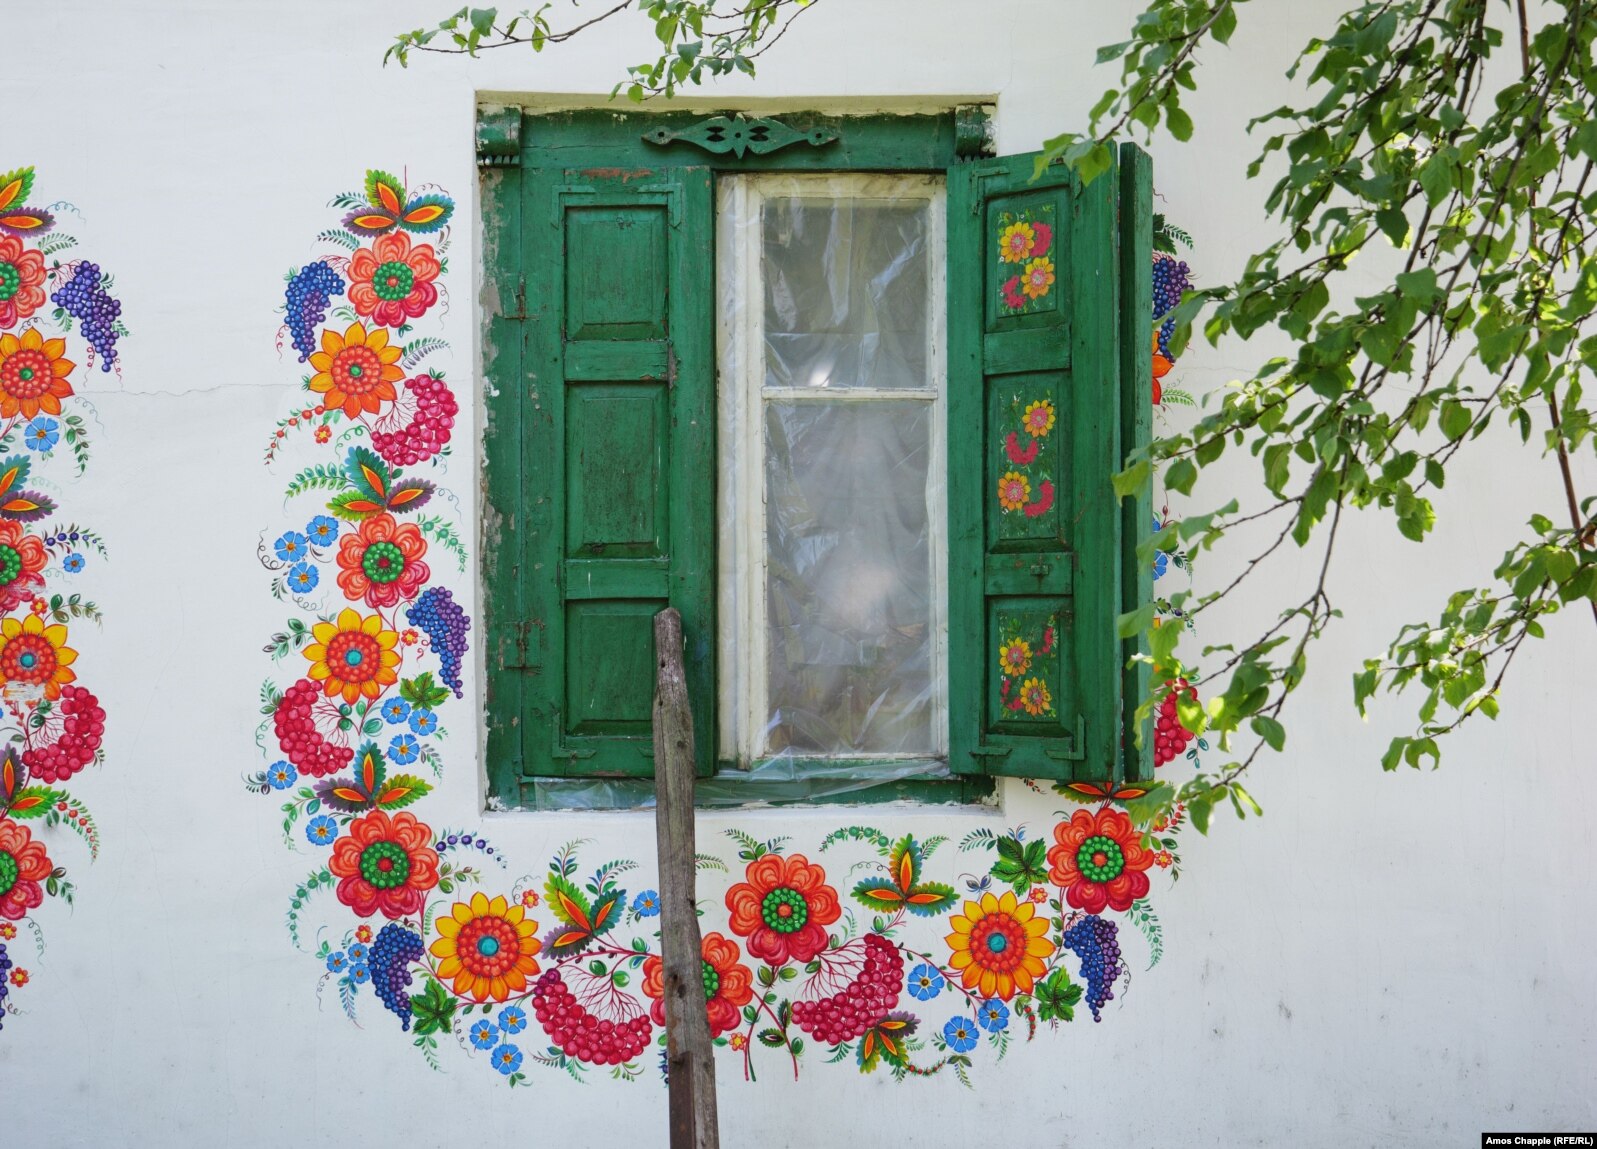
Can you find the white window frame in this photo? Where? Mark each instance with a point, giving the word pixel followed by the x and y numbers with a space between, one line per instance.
pixel 741 555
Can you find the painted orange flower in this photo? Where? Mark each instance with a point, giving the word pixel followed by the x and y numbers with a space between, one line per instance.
pixel 1035 698
pixel 353 656
pixel 783 908
pixel 391 281
pixel 1161 368
pixel 22 562
pixel 35 656
pixel 486 947
pixel 1039 418
pixel 1099 860
pixel 1016 242
pixel 33 374
pixel 728 985
pixel 23 865
pixel 381 561
pixel 1014 657
pixel 357 370
pixel 1037 278
pixel 999 945
pixel 385 863
pixel 21 281
pixel 1013 491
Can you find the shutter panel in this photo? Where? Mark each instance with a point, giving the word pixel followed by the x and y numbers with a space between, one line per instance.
pixel 1035 428
pixel 617 441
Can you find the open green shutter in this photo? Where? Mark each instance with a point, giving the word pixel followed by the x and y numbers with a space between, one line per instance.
pixel 1037 539
pixel 616 434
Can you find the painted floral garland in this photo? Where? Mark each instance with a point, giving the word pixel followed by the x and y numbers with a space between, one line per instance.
pixel 864 960
pixel 53 724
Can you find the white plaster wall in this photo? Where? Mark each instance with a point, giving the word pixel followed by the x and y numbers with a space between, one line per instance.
pixel 1392 960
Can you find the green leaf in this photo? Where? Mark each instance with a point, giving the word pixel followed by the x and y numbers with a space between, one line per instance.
pixel 433 1010
pixel 1270 730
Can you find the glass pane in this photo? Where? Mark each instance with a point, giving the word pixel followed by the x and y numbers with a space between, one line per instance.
pixel 846 290
pixel 849 577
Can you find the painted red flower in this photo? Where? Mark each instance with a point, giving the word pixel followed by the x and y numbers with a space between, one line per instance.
pixel 22 563
pixel 391 281
pixel 21 281
pixel 783 908
pixel 1099 860
pixel 385 863
pixel 728 985
pixel 23 866
pixel 381 562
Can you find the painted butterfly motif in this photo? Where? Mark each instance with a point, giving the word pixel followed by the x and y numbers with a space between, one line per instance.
pixel 14 218
pixel 388 207
pixel 581 921
pixel 1107 791
pixel 371 787
pixel 22 506
pixel 377 488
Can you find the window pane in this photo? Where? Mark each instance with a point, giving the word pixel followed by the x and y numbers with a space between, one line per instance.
pixel 846 291
pixel 848 577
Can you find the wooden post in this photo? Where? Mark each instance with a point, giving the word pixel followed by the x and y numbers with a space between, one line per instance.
pixel 690 1057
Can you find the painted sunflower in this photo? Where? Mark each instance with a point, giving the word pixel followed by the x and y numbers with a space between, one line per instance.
pixel 393 282
pixel 1039 418
pixel 783 908
pixel 385 863
pixel 1013 491
pixel 353 656
pixel 1035 698
pixel 1038 278
pixel 381 563
pixel 35 656
pixel 1016 242
pixel 999 945
pixel 33 374
pixel 23 865
pixel 486 947
pixel 1014 657
pixel 357 370
pixel 1099 860
pixel 728 985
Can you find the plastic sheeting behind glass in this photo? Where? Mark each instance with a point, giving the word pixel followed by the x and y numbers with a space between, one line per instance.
pixel 831 293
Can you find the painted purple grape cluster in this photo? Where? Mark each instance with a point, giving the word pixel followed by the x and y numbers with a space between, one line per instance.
pixel 1170 278
pixel 437 613
pixel 5 970
pixel 1095 940
pixel 393 950
pixel 85 299
pixel 306 300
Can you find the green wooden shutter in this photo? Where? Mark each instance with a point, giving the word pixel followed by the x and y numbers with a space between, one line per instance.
pixel 1036 537
pixel 613 437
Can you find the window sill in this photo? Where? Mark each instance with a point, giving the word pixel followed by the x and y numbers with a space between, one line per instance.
pixel 779 783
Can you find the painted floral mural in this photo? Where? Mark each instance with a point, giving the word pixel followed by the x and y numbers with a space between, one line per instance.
pixel 58 319
pixel 876 952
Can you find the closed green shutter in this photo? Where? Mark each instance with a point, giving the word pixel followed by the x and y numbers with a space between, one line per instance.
pixel 602 470
pixel 1037 541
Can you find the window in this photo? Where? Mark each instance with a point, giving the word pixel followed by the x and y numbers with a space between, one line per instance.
pixel 849 398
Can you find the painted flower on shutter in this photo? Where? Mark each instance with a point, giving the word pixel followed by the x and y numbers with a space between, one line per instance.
pixel 1014 657
pixel 1013 491
pixel 1025 238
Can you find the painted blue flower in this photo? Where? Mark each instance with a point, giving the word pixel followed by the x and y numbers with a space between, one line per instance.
pixel 513 1019
pixel 360 973
pixel 281 775
pixel 395 711
pixel 336 961
pixel 646 904
pixel 423 721
pixel 41 434
pixel 359 952
pixel 302 578
pixel 961 1034
pixel 403 749
pixel 925 982
pixel 321 830
pixel 1161 563
pixel 993 1015
pixel 291 546
pixel 323 529
pixel 73 563
pixel 484 1034
pixel 507 1059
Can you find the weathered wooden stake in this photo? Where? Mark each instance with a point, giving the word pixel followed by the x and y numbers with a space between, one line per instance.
pixel 689 1053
